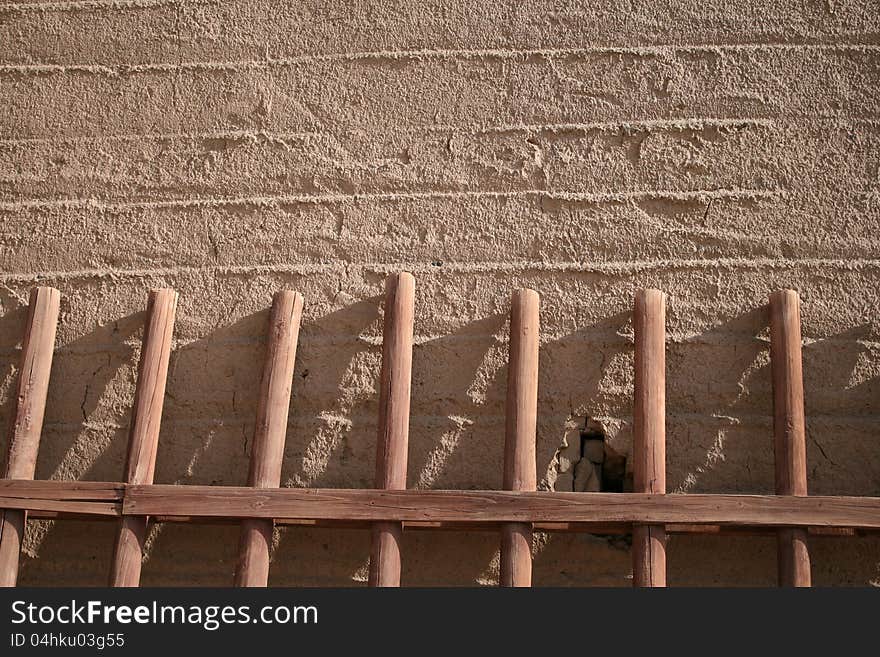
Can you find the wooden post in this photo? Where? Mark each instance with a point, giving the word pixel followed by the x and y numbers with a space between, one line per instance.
pixel 789 429
pixel 24 438
pixel 649 432
pixel 520 471
pixel 269 434
pixel 393 443
pixel 143 440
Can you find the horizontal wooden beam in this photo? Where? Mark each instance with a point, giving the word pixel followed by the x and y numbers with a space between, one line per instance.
pixel 19 489
pixel 431 509
pixel 501 506
pixel 603 529
pixel 76 498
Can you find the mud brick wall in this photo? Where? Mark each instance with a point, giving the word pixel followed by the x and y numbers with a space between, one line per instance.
pixel 716 150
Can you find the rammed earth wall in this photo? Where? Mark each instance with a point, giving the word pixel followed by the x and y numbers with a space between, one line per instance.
pixel 716 150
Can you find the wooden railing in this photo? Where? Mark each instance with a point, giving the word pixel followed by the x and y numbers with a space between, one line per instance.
pixel 388 510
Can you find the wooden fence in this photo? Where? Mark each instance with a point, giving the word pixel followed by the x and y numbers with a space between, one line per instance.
pixel 648 512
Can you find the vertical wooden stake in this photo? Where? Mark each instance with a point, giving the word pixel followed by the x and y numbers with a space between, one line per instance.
pixel 520 471
pixel 394 398
pixel 269 434
pixel 789 429
pixel 24 438
pixel 649 429
pixel 143 440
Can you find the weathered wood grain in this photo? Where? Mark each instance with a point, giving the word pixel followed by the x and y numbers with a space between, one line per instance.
pixel 65 499
pixel 455 510
pixel 37 350
pixel 393 436
pixel 270 432
pixel 520 435
pixel 23 490
pixel 501 506
pixel 83 509
pixel 649 431
pixel 143 441
pixel 789 429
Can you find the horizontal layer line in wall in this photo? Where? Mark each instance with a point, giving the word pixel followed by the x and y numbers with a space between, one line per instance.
pixel 608 338
pixel 393 56
pixel 96 5
pixel 390 197
pixel 159 198
pixel 606 268
pixel 683 123
pixel 611 336
pixel 638 125
pixel 370 340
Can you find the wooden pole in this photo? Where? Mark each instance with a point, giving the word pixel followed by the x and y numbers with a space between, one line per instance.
pixel 24 438
pixel 393 442
pixel 649 432
pixel 520 471
pixel 789 429
pixel 269 434
pixel 143 440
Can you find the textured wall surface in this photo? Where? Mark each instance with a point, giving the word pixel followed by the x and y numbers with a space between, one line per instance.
pixel 716 150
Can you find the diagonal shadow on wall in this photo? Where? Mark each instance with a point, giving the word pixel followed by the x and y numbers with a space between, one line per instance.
pixel 78 433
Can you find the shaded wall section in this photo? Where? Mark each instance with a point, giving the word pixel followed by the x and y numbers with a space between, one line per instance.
pixel 715 150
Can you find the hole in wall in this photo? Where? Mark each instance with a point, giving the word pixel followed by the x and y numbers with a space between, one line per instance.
pixel 588 464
